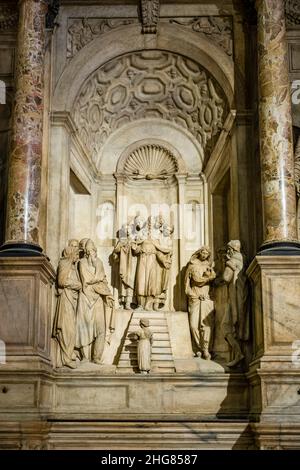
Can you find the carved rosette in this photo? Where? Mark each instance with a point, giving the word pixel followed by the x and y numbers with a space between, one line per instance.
pixel 149 84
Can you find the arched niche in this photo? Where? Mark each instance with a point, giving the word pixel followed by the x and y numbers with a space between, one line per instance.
pixel 129 39
pixel 180 142
pixel 155 176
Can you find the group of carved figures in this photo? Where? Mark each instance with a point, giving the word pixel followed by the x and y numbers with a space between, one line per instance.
pixel 85 308
pixel 199 280
pixel 144 254
pixel 85 313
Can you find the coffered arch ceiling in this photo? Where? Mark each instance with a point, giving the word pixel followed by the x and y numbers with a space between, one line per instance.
pixel 149 84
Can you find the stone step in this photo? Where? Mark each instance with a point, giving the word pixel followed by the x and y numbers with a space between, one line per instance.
pixel 162 364
pixel 161 355
pixel 158 329
pixel 155 349
pixel 154 357
pixel 161 343
pixel 150 314
pixel 130 370
pixel 153 323
pixel 155 362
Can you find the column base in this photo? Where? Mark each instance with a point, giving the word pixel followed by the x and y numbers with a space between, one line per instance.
pixel 280 249
pixel 12 250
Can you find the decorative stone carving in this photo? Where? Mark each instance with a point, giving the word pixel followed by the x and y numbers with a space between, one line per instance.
pixel 150 162
pixel 154 263
pixel 94 300
pixel 217 28
pixel 145 340
pixel 85 307
pixel 8 17
pixel 68 287
pixel 82 31
pixel 236 320
pixel 149 15
pixel 292 12
pixel 153 84
pixel 198 278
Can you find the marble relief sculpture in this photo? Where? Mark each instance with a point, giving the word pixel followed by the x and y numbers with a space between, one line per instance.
pixel 145 340
pixel 199 276
pixel 85 307
pixel 127 263
pixel 94 298
pixel 144 253
pixel 236 319
pixel 68 287
pixel 154 260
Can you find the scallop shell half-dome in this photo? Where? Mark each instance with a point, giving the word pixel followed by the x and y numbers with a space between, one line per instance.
pixel 151 160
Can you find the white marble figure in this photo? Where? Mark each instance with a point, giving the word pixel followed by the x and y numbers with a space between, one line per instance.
pixel 95 299
pixel 127 265
pixel 236 319
pixel 145 340
pixel 68 287
pixel 198 278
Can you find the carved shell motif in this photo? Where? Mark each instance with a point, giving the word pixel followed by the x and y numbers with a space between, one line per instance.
pixel 150 162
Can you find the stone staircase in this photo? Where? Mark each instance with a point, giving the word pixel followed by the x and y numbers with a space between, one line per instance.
pixel 161 355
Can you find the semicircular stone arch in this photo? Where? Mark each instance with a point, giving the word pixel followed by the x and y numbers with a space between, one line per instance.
pixel 149 84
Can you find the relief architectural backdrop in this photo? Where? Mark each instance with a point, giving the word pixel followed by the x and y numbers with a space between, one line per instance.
pixel 149 271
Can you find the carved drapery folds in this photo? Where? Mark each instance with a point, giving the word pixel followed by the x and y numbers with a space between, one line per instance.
pixel 152 84
pixel 149 16
pixel 219 29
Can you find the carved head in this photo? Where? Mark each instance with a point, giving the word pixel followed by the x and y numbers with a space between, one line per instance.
pixel 204 253
pixel 68 253
pixel 90 249
pixel 233 246
pixel 74 245
pixel 82 244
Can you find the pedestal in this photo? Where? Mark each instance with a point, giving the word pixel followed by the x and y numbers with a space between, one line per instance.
pixel 25 331
pixel 274 373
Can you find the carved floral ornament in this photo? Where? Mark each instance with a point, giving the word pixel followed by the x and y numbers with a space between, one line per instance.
pixel 149 84
pixel 82 31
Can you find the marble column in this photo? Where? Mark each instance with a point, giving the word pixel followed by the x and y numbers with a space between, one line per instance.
pixel 24 180
pixel 276 147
